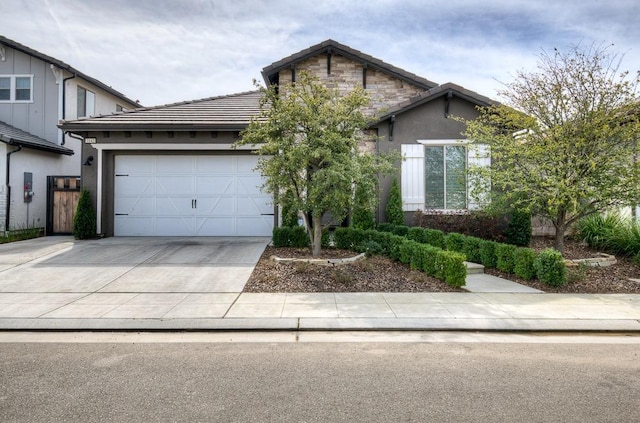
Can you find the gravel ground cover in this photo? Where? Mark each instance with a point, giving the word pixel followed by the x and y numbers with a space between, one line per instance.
pixel 379 274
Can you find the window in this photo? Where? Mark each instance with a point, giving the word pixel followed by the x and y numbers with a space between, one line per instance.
pixel 433 174
pixel 445 177
pixel 16 88
pixel 119 108
pixel 86 102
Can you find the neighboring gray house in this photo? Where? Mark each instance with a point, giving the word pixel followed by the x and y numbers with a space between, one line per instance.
pixel 39 165
pixel 171 170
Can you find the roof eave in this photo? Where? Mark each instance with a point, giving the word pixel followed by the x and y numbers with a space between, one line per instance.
pixel 34 146
pixel 80 128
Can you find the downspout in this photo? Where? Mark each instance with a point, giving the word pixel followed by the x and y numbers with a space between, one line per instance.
pixel 6 221
pixel 64 102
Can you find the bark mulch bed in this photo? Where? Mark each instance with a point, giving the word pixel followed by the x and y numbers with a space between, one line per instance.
pixel 379 274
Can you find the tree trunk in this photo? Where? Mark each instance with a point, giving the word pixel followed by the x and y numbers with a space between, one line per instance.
pixel 316 239
pixel 561 227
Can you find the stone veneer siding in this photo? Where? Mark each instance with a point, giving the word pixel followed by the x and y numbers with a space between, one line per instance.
pixel 384 90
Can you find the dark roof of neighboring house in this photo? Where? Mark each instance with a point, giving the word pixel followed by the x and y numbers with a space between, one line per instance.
pixel 228 112
pixel 437 92
pixel 269 72
pixel 62 65
pixel 14 136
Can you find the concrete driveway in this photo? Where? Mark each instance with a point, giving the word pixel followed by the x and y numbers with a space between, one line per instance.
pixel 123 278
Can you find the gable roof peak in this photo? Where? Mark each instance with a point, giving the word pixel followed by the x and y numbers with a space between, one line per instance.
pixel 271 71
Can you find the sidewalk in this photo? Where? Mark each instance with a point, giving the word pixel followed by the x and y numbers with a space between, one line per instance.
pixel 322 311
pixel 116 284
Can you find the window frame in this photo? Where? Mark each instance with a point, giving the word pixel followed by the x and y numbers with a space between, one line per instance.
pixel 13 88
pixel 443 144
pixel 88 99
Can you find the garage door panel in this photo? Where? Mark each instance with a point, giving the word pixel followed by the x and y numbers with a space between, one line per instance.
pixel 215 164
pixel 174 164
pixel 174 226
pixel 174 206
pixel 247 164
pixel 133 226
pixel 250 185
pixel 134 185
pixel 221 226
pixel 207 185
pixel 132 206
pixel 255 226
pixel 197 195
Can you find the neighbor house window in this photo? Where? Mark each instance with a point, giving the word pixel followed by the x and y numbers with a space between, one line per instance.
pixel 445 181
pixel 86 102
pixel 16 88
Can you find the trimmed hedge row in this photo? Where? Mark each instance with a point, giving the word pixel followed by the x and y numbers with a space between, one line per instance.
pixel 523 262
pixel 447 266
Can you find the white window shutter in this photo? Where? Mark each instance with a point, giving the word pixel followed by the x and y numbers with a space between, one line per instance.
pixel 412 177
pixel 478 156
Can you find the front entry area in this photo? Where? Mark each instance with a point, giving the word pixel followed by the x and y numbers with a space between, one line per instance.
pixel 190 195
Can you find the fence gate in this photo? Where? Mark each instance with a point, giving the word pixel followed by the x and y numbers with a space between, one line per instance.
pixel 63 193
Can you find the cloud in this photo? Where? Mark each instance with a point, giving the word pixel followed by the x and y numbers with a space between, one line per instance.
pixel 161 52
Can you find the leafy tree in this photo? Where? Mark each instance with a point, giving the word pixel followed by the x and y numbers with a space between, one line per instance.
pixel 395 214
pixel 84 221
pixel 565 144
pixel 307 136
pixel 362 216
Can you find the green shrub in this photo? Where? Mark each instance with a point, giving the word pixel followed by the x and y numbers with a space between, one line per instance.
pixel 504 257
pixel 400 230
pixel 434 237
pixel 395 242
pixel 450 268
pixel 455 242
pixel 550 268
pixel 612 233
pixel 471 249
pixel 385 227
pixel 518 230
pixel 382 238
pixel 475 223
pixel 416 234
pixel 395 214
pixel 289 216
pixel 348 238
pixel 488 254
pixel 524 263
pixel 370 248
pixel 429 254
pixel 327 239
pixel 84 221
pixel 577 273
pixel 291 236
pixel 362 216
pixel 407 250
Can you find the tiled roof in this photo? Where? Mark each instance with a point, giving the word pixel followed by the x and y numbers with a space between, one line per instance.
pixel 436 92
pixel 230 112
pixel 270 71
pixel 62 65
pixel 14 136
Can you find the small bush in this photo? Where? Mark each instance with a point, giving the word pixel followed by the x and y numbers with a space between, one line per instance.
pixel 524 263
pixel 416 234
pixel 488 256
pixel 289 216
pixel 611 233
pixel 84 221
pixel 450 268
pixel 471 249
pixel 395 214
pixel 550 268
pixel 395 242
pixel 504 257
pixel 577 273
pixel 295 236
pixel 348 238
pixel 518 230
pixel 475 223
pixel 370 248
pixel 407 251
pixel 429 254
pixel 362 216
pixel 400 230
pixel 434 237
pixel 385 227
pixel 455 242
pixel 327 239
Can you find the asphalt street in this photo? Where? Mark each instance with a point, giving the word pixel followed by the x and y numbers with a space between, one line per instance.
pixel 277 378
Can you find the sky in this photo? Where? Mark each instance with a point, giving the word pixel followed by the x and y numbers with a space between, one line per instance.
pixel 165 51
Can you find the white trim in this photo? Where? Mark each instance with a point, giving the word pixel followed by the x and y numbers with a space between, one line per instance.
pixel 99 195
pixel 174 147
pixel 13 88
pixel 444 142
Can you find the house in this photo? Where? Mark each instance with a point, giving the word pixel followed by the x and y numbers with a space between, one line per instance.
pixel 172 170
pixel 40 164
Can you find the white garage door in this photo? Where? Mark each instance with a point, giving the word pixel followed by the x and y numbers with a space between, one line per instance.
pixel 190 196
